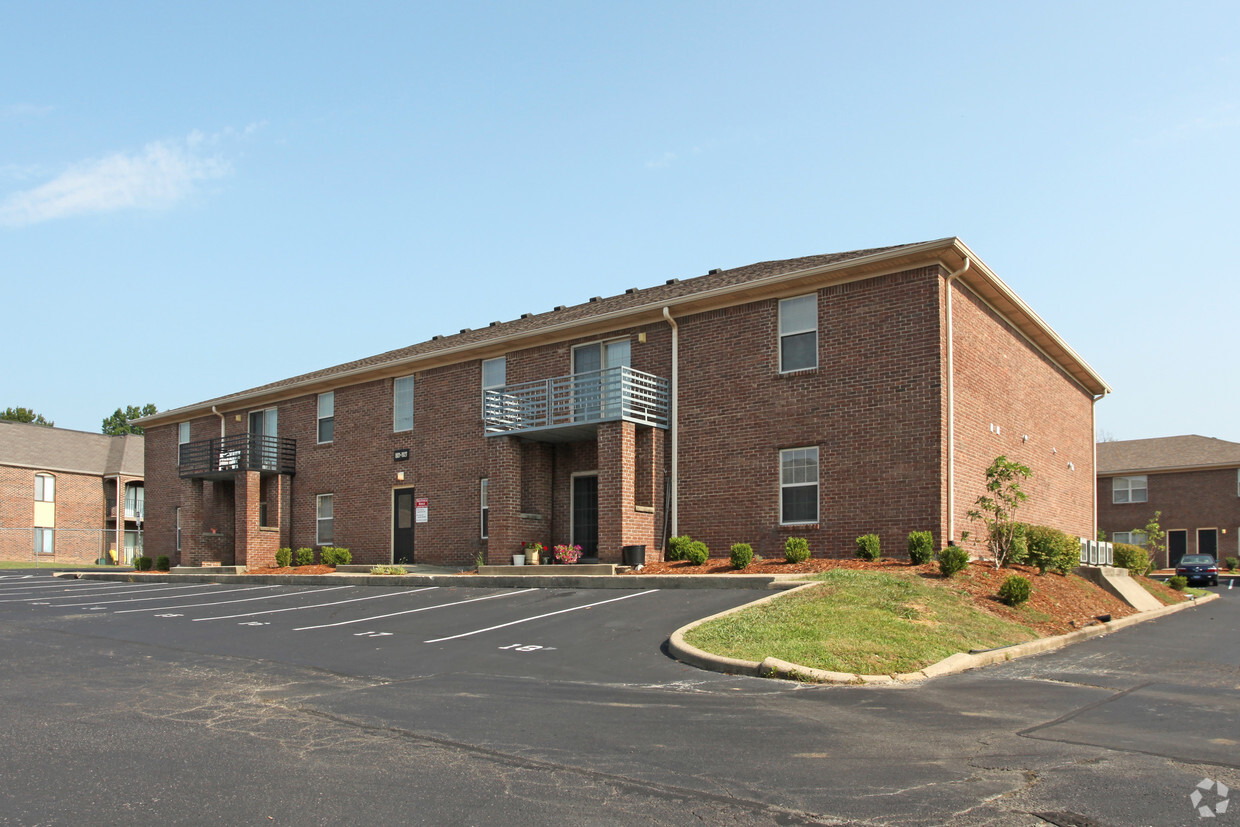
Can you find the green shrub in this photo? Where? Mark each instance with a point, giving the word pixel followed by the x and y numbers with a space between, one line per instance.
pixel 1179 582
pixel 162 563
pixel 742 555
pixel 868 547
pixel 796 549
pixel 1133 558
pixel 304 557
pixel 388 570
pixel 333 556
pixel 1233 563
pixel 697 552
pixel 284 558
pixel 142 563
pixel 952 560
pixel 920 547
pixel 676 548
pixel 1015 590
pixel 1050 548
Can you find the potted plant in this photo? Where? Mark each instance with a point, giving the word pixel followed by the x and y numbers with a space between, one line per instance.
pixel 567 554
pixel 532 552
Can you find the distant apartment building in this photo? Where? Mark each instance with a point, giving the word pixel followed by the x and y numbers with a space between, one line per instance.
pixel 1193 480
pixel 822 397
pixel 69 496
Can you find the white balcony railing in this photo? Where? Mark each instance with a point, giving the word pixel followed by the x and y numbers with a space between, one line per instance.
pixel 606 395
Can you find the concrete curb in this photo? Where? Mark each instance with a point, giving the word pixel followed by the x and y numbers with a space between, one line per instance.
pixel 467 581
pixel 959 662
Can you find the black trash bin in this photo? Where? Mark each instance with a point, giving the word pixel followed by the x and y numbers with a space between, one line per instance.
pixel 634 555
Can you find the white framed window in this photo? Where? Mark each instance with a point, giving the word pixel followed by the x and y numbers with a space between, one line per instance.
pixel 494 372
pixel 327 416
pixel 182 441
pixel 44 488
pixel 44 541
pixel 178 511
pixel 485 510
pixel 324 512
pixel 402 404
pixel 1129 489
pixel 798 333
pixel 1132 538
pixel 798 486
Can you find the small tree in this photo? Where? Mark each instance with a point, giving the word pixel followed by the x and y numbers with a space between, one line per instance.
pixel 1154 543
pixel 121 421
pixel 25 415
pixel 996 509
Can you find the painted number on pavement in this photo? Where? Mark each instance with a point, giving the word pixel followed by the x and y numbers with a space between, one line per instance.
pixel 527 647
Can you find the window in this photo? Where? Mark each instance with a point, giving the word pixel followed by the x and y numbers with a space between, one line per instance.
pixel 178 510
pixel 798 486
pixel 325 532
pixel 135 502
pixel 44 541
pixel 484 509
pixel 182 441
pixel 798 333
pixel 44 488
pixel 1128 489
pixel 402 404
pixel 494 372
pixel 1133 538
pixel 327 416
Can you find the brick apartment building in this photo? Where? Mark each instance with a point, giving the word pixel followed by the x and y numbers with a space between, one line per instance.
pixel 69 496
pixel 1193 480
pixel 823 397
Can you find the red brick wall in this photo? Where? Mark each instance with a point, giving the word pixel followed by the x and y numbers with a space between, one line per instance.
pixel 79 500
pixel 1013 401
pixel 1188 500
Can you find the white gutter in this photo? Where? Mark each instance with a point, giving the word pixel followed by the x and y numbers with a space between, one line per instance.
pixel 951 408
pixel 673 418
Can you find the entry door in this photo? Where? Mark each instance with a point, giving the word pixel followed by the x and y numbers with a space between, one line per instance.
pixel 1177 547
pixel 1207 541
pixel 263 451
pixel 585 514
pixel 402 526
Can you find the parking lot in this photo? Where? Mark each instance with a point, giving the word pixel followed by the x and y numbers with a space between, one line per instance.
pixel 395 633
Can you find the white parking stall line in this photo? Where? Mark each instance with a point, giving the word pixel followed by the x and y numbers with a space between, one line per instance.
pixel 162 597
pixel 414 611
pixel 102 594
pixel 319 605
pixel 74 585
pixel 539 617
pixel 226 602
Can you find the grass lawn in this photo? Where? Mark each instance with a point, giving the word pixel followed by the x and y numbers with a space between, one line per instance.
pixel 866 622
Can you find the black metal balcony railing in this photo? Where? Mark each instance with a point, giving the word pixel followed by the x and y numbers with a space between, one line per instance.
pixel 240 452
pixel 607 395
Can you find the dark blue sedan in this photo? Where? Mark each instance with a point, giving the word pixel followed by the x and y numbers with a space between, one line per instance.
pixel 1198 567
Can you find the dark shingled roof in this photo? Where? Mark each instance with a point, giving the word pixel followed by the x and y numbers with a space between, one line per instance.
pixel 58 449
pixel 1168 452
pixel 581 312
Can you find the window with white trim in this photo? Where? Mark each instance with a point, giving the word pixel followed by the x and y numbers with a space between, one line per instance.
pixel 402 404
pixel 327 416
pixel 182 441
pixel 178 510
pixel 44 541
pixel 1132 538
pixel 798 333
pixel 798 486
pixel 44 488
pixel 1129 489
pixel 324 511
pixel 494 372
pixel 485 509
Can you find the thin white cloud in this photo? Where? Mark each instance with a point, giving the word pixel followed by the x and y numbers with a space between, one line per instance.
pixel 662 162
pixel 157 177
pixel 14 111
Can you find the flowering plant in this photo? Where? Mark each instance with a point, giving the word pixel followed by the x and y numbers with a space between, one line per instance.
pixel 530 545
pixel 567 554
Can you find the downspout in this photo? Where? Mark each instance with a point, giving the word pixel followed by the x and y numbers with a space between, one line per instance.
pixel 221 416
pixel 673 418
pixel 951 408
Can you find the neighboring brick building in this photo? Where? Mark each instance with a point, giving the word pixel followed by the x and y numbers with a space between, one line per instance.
pixel 823 397
pixel 69 496
pixel 1193 480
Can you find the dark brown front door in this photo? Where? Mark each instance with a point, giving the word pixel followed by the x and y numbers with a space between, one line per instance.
pixel 402 526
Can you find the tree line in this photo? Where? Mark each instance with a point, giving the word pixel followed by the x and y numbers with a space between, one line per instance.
pixel 120 422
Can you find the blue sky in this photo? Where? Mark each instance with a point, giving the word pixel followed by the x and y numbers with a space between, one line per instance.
pixel 198 198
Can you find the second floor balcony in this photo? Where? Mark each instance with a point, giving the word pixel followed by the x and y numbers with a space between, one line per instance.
pixel 570 408
pixel 221 458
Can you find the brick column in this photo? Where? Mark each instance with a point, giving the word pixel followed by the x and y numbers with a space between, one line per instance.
pixel 284 502
pixel 192 551
pixel 248 497
pixel 616 487
pixel 503 499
